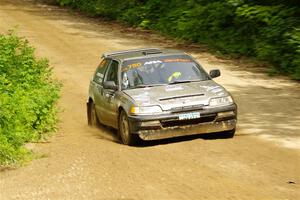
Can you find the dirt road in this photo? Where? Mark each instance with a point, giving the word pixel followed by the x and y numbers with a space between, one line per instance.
pixel 261 162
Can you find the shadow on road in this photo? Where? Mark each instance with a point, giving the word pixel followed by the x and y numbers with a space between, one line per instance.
pixel 210 136
pixel 111 135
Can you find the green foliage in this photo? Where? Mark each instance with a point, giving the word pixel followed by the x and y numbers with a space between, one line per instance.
pixel 28 97
pixel 268 30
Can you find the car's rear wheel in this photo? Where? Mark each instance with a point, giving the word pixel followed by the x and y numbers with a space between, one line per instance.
pixel 92 115
pixel 125 135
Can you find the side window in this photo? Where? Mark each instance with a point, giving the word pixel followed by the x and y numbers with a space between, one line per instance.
pixel 99 74
pixel 112 73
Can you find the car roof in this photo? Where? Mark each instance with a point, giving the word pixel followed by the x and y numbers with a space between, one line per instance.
pixel 141 53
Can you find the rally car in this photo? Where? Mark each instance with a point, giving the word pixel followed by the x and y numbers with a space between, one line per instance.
pixel 154 93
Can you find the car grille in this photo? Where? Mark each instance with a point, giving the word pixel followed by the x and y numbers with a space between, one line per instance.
pixel 187 108
pixel 177 122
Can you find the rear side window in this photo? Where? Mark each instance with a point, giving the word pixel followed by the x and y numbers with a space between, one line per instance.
pixel 98 77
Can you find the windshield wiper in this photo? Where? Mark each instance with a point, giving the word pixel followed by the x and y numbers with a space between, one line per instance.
pixel 145 86
pixel 184 81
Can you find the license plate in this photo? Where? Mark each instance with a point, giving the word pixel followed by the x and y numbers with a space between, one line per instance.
pixel 193 115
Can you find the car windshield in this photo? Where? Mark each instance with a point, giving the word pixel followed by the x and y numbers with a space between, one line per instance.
pixel 160 71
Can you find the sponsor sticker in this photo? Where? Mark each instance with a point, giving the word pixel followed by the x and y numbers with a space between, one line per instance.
pixel 176 60
pixel 170 88
pixel 152 62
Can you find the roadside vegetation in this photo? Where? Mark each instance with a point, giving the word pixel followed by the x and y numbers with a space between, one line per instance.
pixel 28 97
pixel 268 30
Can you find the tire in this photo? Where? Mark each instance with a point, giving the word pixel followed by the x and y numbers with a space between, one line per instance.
pixel 228 134
pixel 92 115
pixel 125 136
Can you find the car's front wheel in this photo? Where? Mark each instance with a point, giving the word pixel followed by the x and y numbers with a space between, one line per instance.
pixel 125 135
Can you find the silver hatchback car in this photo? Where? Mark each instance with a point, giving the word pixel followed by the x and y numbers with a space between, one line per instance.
pixel 153 94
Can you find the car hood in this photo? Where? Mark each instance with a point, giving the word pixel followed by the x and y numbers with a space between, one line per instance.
pixel 178 95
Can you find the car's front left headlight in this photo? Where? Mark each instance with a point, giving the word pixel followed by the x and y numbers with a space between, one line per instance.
pixel 145 110
pixel 221 101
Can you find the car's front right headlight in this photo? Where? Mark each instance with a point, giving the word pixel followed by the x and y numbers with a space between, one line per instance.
pixel 145 110
pixel 221 101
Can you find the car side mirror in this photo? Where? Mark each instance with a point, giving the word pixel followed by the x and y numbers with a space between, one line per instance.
pixel 214 73
pixel 110 85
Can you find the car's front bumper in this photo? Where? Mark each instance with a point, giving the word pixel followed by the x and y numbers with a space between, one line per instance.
pixel 166 126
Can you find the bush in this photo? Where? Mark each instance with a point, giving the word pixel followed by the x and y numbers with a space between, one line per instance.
pixel 268 30
pixel 28 96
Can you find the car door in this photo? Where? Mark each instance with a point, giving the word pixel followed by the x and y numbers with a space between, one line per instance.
pixel 98 87
pixel 110 110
